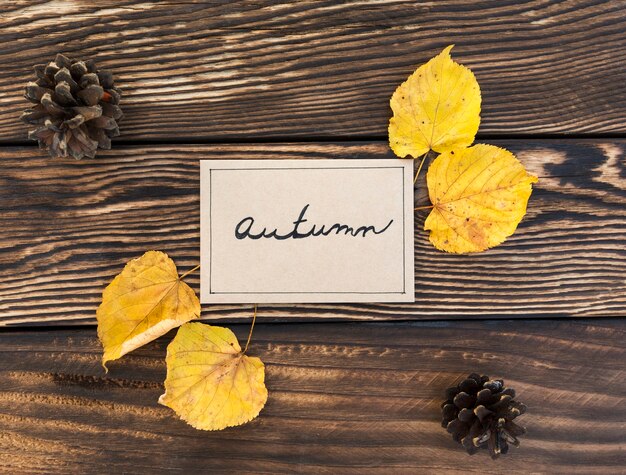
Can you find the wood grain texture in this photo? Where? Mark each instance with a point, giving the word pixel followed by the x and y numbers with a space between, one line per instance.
pixel 344 398
pixel 67 228
pixel 226 70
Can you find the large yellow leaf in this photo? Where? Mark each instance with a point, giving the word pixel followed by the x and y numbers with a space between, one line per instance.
pixel 437 108
pixel 210 383
pixel 146 300
pixel 479 196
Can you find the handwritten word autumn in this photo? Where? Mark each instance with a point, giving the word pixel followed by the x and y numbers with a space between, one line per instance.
pixel 245 229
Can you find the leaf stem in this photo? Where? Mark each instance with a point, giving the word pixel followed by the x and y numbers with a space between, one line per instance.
pixel 251 328
pixel 189 272
pixel 419 169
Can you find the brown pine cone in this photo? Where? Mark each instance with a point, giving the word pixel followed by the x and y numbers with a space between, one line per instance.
pixel 479 413
pixel 76 108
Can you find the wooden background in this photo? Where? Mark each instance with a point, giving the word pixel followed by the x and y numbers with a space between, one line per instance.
pixel 312 80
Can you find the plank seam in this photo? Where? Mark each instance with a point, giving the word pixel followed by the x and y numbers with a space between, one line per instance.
pixel 221 140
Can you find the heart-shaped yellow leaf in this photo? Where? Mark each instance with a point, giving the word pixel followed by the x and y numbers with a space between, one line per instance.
pixel 437 108
pixel 479 196
pixel 145 301
pixel 210 383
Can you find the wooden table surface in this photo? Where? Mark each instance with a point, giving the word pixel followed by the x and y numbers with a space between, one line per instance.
pixel 353 388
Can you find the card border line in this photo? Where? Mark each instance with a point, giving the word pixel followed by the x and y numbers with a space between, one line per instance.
pixel 211 292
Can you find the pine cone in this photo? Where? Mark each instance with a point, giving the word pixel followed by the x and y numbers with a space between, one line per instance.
pixel 479 413
pixel 76 108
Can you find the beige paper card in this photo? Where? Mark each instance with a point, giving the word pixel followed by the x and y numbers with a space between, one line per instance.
pixel 298 231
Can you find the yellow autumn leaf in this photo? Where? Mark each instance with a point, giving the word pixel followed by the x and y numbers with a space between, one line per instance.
pixel 145 301
pixel 437 108
pixel 211 384
pixel 479 196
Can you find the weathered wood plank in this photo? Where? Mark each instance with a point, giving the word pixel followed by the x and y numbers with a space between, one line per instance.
pixel 66 228
pixel 324 68
pixel 344 398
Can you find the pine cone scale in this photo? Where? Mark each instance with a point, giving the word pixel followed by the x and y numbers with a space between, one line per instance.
pixel 63 95
pixel 464 400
